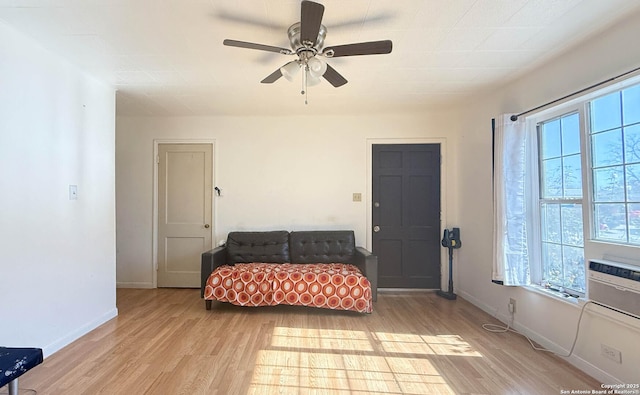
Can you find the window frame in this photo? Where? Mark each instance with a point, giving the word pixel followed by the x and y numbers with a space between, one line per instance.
pixel 624 164
pixel 534 126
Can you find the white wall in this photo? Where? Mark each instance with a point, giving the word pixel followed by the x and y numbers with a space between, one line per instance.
pixel 57 257
pixel 548 320
pixel 289 173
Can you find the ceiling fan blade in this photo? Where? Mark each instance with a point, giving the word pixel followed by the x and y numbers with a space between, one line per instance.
pixel 368 48
pixel 334 77
pixel 310 21
pixel 260 47
pixel 273 77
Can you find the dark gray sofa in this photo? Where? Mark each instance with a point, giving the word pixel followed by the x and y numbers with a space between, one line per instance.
pixel 329 246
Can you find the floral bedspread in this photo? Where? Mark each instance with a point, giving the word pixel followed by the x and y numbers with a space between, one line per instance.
pixel 328 285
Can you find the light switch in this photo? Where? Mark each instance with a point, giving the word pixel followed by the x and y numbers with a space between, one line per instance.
pixel 73 192
pixel 357 197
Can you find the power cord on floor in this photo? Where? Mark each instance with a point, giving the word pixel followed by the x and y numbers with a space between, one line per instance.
pixel 502 329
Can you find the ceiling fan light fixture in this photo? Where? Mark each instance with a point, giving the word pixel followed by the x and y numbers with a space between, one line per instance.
pixel 290 70
pixel 312 80
pixel 317 67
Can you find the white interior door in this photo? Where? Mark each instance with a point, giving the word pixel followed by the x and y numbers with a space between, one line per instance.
pixel 184 212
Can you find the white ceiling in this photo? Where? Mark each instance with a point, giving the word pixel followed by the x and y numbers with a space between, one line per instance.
pixel 165 57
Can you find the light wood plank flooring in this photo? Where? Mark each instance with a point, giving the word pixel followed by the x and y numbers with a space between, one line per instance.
pixel 165 342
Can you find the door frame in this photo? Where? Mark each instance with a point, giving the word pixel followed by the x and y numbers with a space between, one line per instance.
pixel 444 259
pixel 154 225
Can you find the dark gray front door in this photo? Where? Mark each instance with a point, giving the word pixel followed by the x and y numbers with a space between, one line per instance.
pixel 406 215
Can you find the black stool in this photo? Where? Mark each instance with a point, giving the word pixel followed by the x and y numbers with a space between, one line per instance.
pixel 14 362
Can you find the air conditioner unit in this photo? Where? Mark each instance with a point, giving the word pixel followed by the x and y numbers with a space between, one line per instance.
pixel 615 285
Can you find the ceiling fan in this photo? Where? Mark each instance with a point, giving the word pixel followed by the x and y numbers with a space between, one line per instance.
pixel 307 43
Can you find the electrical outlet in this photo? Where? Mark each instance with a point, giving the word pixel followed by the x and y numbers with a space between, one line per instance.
pixel 611 353
pixel 357 197
pixel 73 192
pixel 512 305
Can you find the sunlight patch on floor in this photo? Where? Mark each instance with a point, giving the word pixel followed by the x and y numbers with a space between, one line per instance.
pixel 450 345
pixel 345 362
pixel 293 372
pixel 405 343
pixel 321 339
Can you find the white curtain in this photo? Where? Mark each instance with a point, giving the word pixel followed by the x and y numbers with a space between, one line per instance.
pixel 510 201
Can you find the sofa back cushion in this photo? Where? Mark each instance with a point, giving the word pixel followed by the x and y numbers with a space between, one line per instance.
pixel 264 247
pixel 326 246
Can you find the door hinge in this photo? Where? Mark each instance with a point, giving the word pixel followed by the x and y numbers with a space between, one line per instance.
pixel 158 159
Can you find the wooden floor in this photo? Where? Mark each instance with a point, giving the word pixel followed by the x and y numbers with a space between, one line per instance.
pixel 165 342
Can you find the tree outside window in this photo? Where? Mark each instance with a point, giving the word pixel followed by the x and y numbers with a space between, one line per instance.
pixel 562 232
pixel 615 146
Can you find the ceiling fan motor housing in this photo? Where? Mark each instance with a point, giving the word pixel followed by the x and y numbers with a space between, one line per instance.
pixel 294 38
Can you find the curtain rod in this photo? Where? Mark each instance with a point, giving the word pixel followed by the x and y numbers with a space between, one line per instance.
pixel 515 117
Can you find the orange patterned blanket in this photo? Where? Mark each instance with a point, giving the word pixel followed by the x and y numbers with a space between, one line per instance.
pixel 328 285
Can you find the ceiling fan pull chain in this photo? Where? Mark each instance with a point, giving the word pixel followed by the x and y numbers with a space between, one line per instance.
pixel 304 79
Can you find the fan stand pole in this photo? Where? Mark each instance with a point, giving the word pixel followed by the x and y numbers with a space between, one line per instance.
pixel 449 295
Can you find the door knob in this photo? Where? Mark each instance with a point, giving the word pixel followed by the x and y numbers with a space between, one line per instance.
pixel 376 229
pixel 206 226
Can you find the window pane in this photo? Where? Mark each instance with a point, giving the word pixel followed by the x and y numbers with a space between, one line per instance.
pixel 611 222
pixel 570 134
pixel 552 178
pixel 552 267
pixel 607 148
pixel 574 268
pixel 608 184
pixel 550 222
pixel 561 223
pixel 634 223
pixel 572 176
pixel 632 143
pixel 605 113
pixel 571 215
pixel 615 141
pixel 633 183
pixel 631 105
pixel 550 139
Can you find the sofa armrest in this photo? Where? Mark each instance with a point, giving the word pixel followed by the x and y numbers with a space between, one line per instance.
pixel 210 261
pixel 368 265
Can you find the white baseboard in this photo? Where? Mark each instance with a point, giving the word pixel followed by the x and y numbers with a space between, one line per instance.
pixel 134 285
pixel 75 335
pixel 574 360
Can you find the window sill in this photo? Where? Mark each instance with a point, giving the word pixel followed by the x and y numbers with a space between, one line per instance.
pixel 614 244
pixel 556 295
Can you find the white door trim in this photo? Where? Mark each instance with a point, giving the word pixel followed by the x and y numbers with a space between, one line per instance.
pixel 154 226
pixel 444 258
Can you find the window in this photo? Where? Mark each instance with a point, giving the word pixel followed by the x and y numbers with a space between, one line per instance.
pixel 560 203
pixel 588 155
pixel 615 145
